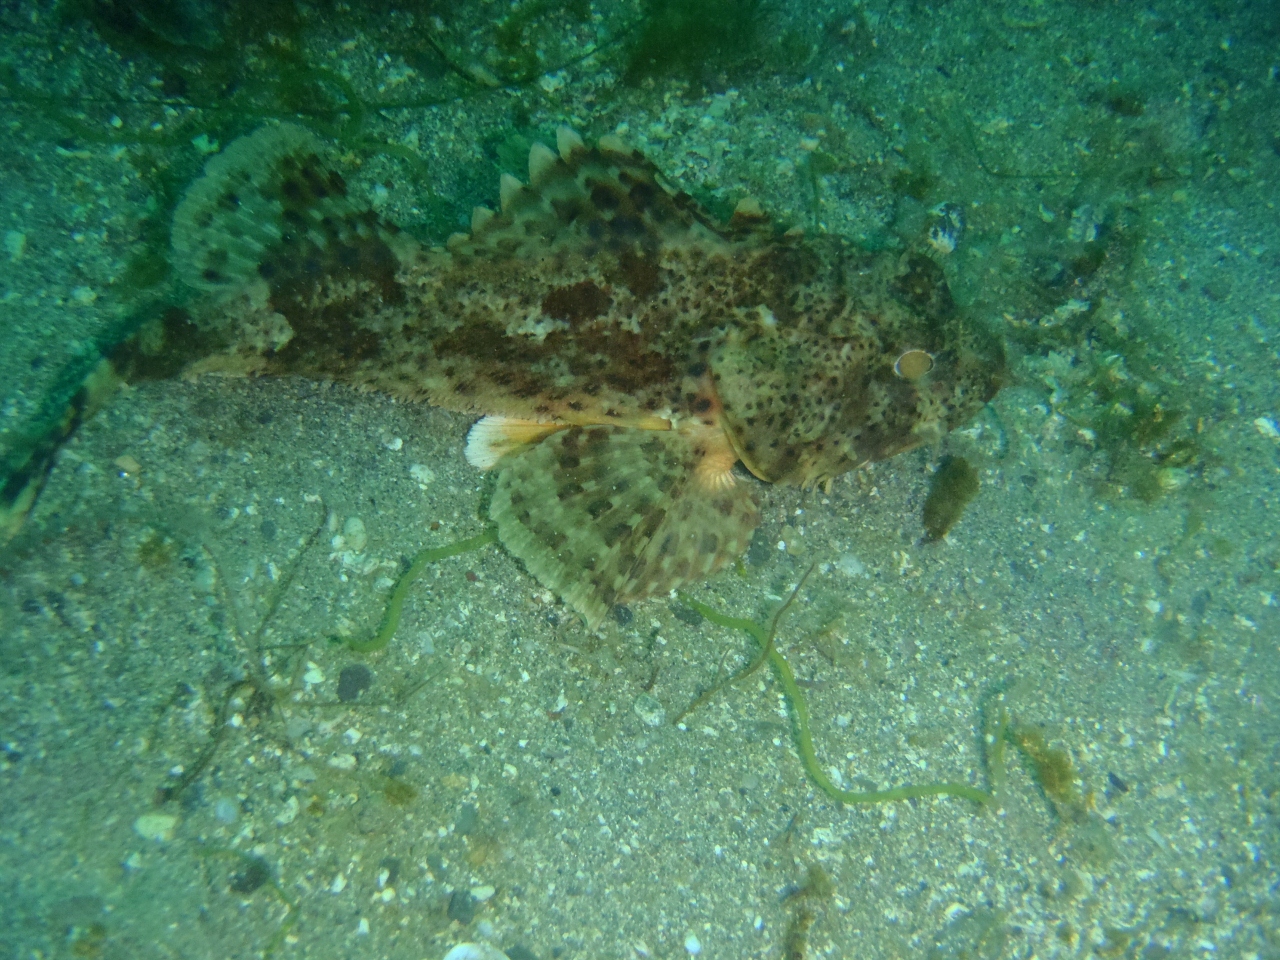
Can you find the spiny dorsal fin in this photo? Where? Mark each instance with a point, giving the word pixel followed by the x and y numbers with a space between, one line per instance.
pixel 542 162
pixel 604 515
pixel 606 196
pixel 568 142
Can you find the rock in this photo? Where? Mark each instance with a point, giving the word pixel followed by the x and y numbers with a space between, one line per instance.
pixel 462 906
pixel 650 709
pixel 156 826
pixel 475 951
pixel 354 680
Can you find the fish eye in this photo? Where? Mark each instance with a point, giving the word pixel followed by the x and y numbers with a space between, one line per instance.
pixel 913 364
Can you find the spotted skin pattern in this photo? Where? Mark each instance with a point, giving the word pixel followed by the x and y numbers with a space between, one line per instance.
pixel 625 348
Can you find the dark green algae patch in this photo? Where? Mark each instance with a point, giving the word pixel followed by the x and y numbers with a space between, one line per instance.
pixel 954 484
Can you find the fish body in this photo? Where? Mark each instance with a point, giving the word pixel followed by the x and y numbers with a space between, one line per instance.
pixel 624 349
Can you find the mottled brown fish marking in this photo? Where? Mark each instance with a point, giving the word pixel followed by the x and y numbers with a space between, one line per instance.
pixel 642 345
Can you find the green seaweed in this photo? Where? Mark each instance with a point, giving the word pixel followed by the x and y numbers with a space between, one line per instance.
pixel 399 793
pixel 764 636
pixel 692 38
pixel 156 552
pixel 400 592
pixel 953 485
pixel 1051 769
pixel 260 694
pixel 806 899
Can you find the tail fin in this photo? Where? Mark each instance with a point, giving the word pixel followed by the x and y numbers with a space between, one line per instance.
pixel 297 270
pixel 288 267
pixel 26 467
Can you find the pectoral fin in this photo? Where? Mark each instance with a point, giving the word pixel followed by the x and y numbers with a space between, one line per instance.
pixel 604 515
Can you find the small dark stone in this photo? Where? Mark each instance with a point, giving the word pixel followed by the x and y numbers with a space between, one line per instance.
pixel 686 615
pixel 253 874
pixel 435 863
pixel 622 613
pixel 268 529
pixel 32 605
pixel 354 680
pixel 761 550
pixel 1200 602
pixel 468 819
pixel 462 906
pixel 521 952
pixel 392 866
pixel 1117 784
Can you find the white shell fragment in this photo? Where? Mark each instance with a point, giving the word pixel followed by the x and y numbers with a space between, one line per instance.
pixel 475 951
pixel 159 827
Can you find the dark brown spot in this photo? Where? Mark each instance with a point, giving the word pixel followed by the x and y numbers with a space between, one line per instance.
pixel 616 533
pixel 577 303
pixel 604 198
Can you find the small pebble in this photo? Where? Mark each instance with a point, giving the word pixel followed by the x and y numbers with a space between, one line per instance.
pixel 462 906
pixel 650 709
pixel 686 615
pixel 468 819
pixel 851 566
pixel 483 892
pixel 156 826
pixel 226 810
pixel 475 951
pixel 354 680
pixel 693 945
pixel 127 465
pixel 355 535
pixel 342 761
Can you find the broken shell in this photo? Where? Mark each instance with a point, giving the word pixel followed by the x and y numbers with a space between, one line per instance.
pixel 475 951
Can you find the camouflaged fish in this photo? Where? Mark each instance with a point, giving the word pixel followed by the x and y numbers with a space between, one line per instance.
pixel 623 349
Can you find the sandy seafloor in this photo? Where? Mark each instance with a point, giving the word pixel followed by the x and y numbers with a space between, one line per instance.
pixel 519 796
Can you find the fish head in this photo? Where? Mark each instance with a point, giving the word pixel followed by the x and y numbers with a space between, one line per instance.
pixel 803 401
